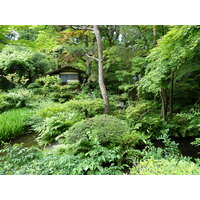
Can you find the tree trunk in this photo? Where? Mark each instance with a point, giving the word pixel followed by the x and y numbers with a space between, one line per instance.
pixel 171 94
pixel 89 67
pixel 163 30
pixel 100 70
pixel 154 35
pixel 164 104
pixel 88 61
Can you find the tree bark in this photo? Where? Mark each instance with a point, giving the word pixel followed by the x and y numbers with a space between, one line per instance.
pixel 154 35
pixel 89 66
pixel 100 70
pixel 171 94
pixel 164 104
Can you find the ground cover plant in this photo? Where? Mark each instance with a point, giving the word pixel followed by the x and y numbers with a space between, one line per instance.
pixel 98 160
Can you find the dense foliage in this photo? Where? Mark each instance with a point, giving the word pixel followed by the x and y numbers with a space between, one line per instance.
pixel 152 78
pixel 108 130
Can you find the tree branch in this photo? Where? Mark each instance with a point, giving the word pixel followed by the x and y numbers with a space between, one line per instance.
pixel 92 57
pixel 146 41
pixel 80 27
pixel 142 115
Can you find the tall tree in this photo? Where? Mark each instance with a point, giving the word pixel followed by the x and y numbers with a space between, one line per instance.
pixel 100 69
pixel 173 67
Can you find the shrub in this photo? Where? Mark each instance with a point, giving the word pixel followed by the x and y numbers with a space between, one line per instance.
pixel 89 107
pixel 51 87
pixel 143 118
pixel 163 161
pixel 54 119
pixel 13 123
pixel 169 150
pixel 186 124
pixel 107 129
pixel 165 167
pixel 47 82
pixel 62 94
pixel 99 160
pixel 51 109
pixel 4 104
pixel 14 157
pixel 133 138
pixel 15 99
pixel 19 98
pixel 140 109
pixel 53 126
pixel 196 142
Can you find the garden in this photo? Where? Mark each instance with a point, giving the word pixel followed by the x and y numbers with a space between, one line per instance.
pixel 134 111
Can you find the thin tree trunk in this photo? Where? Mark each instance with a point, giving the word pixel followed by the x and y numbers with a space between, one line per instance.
pixel 163 30
pixel 164 104
pixel 89 67
pixel 88 61
pixel 171 94
pixel 100 70
pixel 154 35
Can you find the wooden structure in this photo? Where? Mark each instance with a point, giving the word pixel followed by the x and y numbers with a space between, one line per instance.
pixel 68 74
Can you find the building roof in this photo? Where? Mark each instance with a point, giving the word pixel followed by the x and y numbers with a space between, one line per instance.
pixel 66 67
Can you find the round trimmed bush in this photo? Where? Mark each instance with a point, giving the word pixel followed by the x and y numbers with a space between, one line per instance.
pixel 106 128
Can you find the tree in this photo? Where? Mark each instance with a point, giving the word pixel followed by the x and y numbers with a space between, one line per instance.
pixel 23 63
pixel 173 68
pixel 96 31
pixel 100 69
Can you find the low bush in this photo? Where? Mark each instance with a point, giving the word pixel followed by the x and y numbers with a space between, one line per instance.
pixel 14 157
pixel 4 104
pixel 19 97
pixel 138 147
pixel 169 149
pixel 185 124
pixel 19 160
pixel 15 99
pixel 47 82
pixel 132 139
pixel 140 109
pixel 163 161
pixel 13 123
pixel 107 129
pixel 196 142
pixel 51 86
pixel 165 167
pixel 143 117
pixel 54 119
pixel 89 107
pixel 51 127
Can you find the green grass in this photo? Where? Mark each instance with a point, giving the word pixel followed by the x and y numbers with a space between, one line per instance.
pixel 13 123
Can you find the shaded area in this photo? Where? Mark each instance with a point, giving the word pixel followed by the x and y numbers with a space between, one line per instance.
pixel 27 140
pixel 185 146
